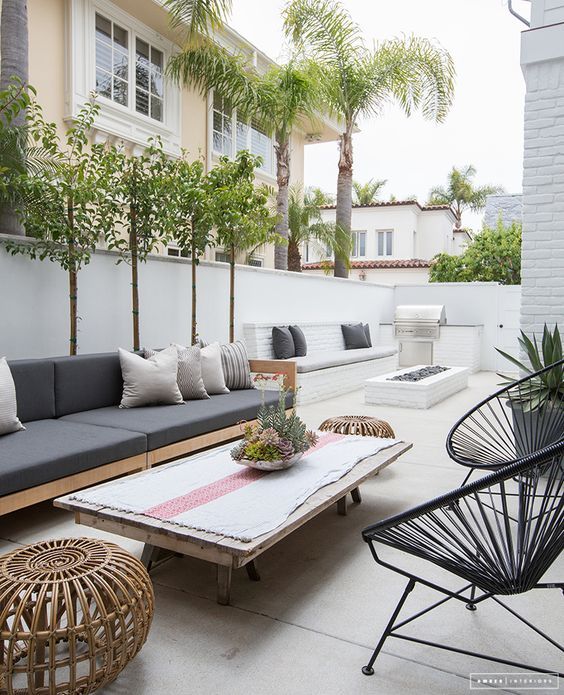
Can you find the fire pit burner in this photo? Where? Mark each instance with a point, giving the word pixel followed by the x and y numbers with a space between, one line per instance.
pixel 419 374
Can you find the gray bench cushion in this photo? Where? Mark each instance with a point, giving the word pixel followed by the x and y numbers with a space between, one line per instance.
pixel 52 449
pixel 35 388
pixel 85 382
pixel 337 358
pixel 166 424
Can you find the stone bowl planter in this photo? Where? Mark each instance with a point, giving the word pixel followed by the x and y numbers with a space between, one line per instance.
pixel 271 465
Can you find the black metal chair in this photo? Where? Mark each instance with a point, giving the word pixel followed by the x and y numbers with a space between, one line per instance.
pixel 501 532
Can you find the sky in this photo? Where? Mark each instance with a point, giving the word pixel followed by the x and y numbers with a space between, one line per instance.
pixel 484 126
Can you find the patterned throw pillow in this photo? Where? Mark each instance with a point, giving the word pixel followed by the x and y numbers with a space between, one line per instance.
pixel 189 375
pixel 9 421
pixel 235 364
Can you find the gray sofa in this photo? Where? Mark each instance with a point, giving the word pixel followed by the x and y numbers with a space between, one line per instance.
pixel 76 434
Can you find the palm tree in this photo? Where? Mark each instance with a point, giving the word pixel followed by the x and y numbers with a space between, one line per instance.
pixel 369 192
pixel 306 225
pixel 357 81
pixel 461 193
pixel 14 48
pixel 277 101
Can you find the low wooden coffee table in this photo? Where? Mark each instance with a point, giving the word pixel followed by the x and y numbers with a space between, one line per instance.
pixel 228 554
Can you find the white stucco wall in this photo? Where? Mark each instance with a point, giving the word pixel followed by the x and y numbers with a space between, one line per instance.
pixel 34 307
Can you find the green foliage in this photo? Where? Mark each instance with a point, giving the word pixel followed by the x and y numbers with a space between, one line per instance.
pixel 461 192
pixel 369 192
pixel 240 208
pixel 260 451
pixel 494 255
pixel 197 17
pixel 62 210
pixel 548 387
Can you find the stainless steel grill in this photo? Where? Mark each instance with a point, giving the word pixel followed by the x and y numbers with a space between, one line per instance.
pixel 416 326
pixel 419 321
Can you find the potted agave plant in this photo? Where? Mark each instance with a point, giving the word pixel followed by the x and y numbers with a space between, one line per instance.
pixel 279 439
pixel 538 404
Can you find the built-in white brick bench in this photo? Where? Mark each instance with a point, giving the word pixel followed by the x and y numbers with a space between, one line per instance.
pixel 383 390
pixel 328 369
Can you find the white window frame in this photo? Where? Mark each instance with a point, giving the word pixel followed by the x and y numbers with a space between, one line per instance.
pixel 267 172
pixel 387 249
pixel 356 236
pixel 258 261
pixel 115 120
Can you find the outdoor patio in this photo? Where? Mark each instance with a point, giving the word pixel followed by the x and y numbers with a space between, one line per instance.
pixel 312 621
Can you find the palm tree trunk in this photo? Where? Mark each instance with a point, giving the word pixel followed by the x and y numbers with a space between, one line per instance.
pixel 344 196
pixel 73 282
pixel 282 179
pixel 134 276
pixel 14 47
pixel 194 332
pixel 232 294
pixel 294 257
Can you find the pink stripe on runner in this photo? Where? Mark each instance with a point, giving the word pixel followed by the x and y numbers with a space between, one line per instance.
pixel 204 494
pixel 219 488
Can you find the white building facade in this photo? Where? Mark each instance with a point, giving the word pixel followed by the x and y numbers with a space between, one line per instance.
pixel 393 242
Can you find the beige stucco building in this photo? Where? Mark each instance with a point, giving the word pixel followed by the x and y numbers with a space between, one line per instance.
pixel 393 242
pixel 119 49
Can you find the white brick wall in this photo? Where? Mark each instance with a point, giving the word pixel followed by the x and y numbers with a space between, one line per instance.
pixel 543 191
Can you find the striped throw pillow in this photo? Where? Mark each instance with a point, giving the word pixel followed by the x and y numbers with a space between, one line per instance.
pixel 235 364
pixel 189 375
pixel 9 421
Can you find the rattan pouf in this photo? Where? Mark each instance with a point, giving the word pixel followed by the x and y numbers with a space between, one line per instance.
pixel 363 425
pixel 73 613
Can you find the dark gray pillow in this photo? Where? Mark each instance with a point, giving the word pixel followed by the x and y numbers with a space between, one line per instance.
pixel 367 331
pixel 300 342
pixel 355 336
pixel 282 343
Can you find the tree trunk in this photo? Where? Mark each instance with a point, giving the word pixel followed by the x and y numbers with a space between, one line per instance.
pixel 282 179
pixel 294 257
pixel 232 294
pixel 73 282
pixel 134 275
pixel 344 195
pixel 13 63
pixel 194 332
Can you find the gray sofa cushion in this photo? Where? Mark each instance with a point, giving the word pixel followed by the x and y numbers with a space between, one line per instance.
pixel 282 343
pixel 52 449
pixel 85 382
pixel 355 336
pixel 166 424
pixel 337 358
pixel 35 388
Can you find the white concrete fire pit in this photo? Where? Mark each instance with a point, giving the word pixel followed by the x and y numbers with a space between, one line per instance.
pixel 404 392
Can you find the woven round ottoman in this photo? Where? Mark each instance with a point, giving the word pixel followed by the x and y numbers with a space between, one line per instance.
pixel 363 425
pixel 73 613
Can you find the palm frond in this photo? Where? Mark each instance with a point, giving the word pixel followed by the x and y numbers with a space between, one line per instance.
pixel 198 16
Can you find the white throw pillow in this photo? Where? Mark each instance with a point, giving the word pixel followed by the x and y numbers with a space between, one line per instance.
pixel 149 381
pixel 212 371
pixel 9 421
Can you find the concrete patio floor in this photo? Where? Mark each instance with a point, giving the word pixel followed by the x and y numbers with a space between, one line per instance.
pixel 310 624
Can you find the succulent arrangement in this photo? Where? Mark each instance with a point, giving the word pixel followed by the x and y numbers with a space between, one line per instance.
pixel 277 435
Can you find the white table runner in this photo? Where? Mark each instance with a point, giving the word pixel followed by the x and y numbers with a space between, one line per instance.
pixel 210 492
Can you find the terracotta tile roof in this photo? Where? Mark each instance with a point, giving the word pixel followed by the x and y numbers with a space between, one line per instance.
pixel 359 265
pixel 395 203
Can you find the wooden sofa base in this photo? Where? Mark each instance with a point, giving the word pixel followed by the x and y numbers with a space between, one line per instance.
pixel 76 481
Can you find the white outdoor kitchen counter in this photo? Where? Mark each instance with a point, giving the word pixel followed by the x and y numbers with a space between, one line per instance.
pixel 457 345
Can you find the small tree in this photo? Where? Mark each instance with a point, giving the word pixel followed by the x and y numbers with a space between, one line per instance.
pixel 190 206
pixel 64 207
pixel 139 219
pixel 369 192
pixel 493 256
pixel 461 192
pixel 240 211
